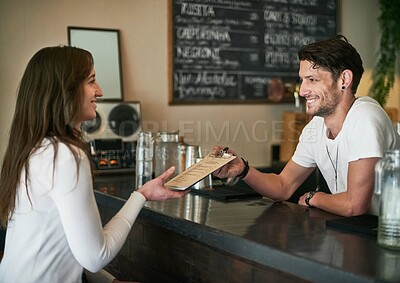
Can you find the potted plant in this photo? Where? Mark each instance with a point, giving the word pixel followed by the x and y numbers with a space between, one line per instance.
pixel 385 68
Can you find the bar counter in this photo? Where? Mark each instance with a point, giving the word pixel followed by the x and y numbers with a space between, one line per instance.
pixel 198 239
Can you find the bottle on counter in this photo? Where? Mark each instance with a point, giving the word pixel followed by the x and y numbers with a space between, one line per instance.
pixel 387 187
pixel 182 154
pixel 144 158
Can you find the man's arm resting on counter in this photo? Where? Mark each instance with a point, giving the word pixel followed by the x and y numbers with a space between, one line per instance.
pixel 357 199
pixel 278 186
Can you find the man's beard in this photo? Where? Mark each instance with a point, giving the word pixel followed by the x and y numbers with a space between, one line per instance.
pixel 329 106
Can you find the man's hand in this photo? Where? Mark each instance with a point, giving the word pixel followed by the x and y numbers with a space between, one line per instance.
pixel 231 169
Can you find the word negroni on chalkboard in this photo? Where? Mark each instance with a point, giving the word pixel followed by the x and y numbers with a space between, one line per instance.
pixel 228 51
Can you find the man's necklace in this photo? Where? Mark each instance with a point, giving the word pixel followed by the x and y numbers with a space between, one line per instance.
pixel 335 167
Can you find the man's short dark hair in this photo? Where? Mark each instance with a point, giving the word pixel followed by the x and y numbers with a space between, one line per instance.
pixel 335 55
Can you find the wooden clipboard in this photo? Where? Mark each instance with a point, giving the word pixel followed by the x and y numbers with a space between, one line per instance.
pixel 198 171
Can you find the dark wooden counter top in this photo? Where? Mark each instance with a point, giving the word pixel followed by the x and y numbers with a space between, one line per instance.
pixel 284 236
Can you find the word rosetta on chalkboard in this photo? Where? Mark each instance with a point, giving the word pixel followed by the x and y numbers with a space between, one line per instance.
pixel 237 51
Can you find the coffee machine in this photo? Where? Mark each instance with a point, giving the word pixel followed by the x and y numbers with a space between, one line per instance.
pixel 112 137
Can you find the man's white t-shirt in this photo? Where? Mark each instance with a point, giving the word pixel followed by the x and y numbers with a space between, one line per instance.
pixel 56 229
pixel 367 132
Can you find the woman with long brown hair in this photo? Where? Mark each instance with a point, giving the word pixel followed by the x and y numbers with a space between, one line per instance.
pixel 46 191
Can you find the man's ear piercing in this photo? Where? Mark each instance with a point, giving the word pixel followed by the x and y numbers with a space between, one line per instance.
pixel 343 87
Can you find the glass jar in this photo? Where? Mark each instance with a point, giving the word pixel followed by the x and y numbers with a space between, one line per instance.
pixel 167 151
pixel 387 187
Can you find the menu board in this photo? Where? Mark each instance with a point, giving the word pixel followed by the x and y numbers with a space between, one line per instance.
pixel 237 51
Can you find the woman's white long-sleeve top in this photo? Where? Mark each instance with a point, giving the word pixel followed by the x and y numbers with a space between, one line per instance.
pixel 56 229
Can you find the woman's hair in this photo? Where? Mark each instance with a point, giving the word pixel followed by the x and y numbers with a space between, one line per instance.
pixel 334 55
pixel 48 105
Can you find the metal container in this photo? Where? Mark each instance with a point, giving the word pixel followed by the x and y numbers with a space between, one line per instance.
pixel 205 183
pixel 192 153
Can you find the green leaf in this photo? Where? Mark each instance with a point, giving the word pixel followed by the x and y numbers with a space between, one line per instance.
pixel 384 71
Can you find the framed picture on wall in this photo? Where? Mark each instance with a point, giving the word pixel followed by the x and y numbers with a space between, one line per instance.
pixel 104 44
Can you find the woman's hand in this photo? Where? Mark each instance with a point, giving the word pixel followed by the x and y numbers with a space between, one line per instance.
pixel 231 169
pixel 155 190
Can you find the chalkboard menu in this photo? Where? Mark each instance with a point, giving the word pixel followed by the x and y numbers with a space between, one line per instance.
pixel 237 51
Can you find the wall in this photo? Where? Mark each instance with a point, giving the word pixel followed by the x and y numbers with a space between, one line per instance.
pixel 26 26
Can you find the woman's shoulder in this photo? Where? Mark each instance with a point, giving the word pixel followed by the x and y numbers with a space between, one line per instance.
pixel 61 151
